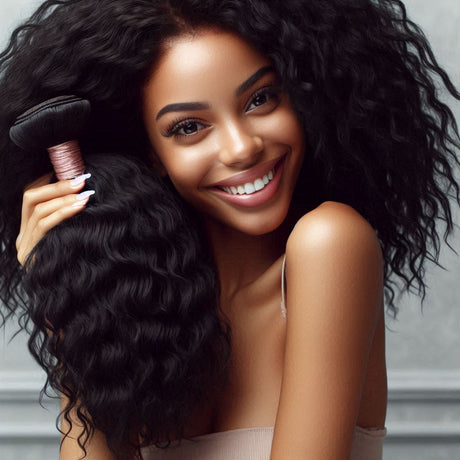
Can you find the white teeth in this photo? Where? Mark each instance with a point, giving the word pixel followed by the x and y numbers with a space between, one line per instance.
pixel 259 184
pixel 250 187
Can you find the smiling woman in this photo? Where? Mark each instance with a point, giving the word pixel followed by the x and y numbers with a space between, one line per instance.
pixel 222 290
pixel 214 108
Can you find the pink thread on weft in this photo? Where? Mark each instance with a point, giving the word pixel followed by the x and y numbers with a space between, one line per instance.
pixel 66 159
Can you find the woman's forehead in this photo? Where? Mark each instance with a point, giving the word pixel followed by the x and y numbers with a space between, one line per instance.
pixel 203 65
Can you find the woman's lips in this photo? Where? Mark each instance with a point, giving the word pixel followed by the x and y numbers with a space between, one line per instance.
pixel 257 198
pixel 247 176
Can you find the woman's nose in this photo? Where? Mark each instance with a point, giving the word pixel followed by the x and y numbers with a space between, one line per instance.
pixel 239 146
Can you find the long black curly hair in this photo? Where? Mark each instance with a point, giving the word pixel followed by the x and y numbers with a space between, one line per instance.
pixel 128 296
pixel 363 80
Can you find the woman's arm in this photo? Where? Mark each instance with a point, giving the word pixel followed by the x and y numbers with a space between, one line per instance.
pixel 334 272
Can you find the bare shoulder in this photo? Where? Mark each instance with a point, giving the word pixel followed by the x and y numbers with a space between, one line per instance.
pixel 334 279
pixel 335 246
pixel 330 225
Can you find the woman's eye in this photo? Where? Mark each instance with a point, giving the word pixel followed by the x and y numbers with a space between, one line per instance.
pixel 268 95
pixel 184 128
pixel 260 99
pixel 191 127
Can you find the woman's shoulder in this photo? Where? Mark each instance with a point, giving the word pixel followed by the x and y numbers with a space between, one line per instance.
pixel 334 289
pixel 332 225
pixel 335 246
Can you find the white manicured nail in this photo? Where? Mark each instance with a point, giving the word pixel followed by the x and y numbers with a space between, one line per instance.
pixel 84 195
pixel 79 180
pixel 81 203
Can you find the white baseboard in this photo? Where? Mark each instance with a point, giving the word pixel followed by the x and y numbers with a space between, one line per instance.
pixel 414 391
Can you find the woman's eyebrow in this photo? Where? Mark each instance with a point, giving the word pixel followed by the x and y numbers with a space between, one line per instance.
pixel 178 107
pixel 181 106
pixel 252 79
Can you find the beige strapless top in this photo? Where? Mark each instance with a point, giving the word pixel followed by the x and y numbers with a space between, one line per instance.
pixel 255 443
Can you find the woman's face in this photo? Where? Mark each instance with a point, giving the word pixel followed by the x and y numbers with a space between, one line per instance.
pixel 224 130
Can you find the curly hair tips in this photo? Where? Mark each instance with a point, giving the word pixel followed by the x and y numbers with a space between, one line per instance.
pixel 131 298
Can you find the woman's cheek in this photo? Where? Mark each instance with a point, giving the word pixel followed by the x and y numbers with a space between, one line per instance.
pixel 186 172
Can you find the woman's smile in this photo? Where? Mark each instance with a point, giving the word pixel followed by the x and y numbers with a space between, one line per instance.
pixel 248 192
pixel 224 130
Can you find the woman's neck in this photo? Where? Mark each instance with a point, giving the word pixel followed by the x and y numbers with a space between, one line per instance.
pixel 241 259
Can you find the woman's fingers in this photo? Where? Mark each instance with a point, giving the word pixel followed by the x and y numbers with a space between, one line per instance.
pixel 43 180
pixel 37 183
pixel 46 205
pixel 44 209
pixel 37 230
pixel 41 190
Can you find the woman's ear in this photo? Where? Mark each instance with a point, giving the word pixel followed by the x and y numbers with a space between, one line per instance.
pixel 157 164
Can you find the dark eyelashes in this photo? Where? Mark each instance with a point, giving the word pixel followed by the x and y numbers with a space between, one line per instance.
pixel 175 125
pixel 269 90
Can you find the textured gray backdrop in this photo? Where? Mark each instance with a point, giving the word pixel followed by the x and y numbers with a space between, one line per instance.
pixel 423 350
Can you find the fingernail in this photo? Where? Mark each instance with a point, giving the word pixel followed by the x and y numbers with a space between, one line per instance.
pixel 79 180
pixel 84 195
pixel 80 203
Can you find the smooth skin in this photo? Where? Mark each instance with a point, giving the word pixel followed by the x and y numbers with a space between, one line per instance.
pixel 333 311
pixel 44 206
pixel 321 372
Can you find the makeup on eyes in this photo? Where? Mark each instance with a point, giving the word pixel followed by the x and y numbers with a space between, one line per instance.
pixel 177 124
pixel 270 91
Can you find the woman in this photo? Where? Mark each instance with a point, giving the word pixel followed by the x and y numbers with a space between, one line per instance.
pixel 301 142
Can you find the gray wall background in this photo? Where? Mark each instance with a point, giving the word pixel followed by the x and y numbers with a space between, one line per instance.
pixel 423 348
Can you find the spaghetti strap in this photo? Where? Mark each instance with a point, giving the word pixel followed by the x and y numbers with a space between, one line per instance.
pixel 283 302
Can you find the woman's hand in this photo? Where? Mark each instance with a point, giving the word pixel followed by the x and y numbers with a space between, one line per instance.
pixel 46 205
